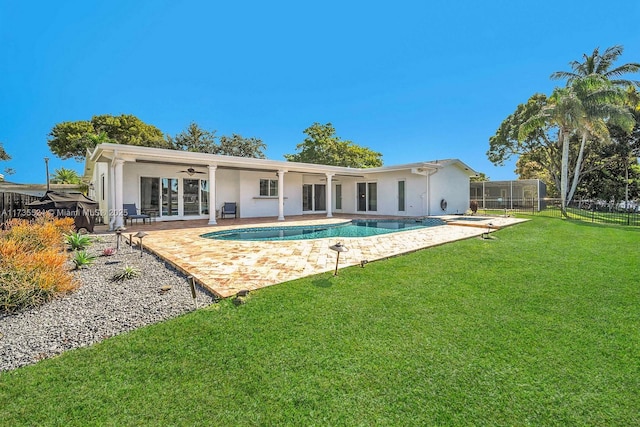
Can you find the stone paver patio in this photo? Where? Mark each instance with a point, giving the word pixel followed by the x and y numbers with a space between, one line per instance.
pixel 225 267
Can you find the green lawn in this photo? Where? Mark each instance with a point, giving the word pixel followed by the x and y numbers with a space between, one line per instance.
pixel 538 326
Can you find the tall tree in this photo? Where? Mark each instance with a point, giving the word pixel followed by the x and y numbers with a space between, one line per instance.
pixel 600 64
pixel 3 154
pixel 195 139
pixel 597 70
pixel 559 133
pixel 322 146
pixel 65 176
pixel 236 145
pixel 582 109
pixel 73 139
pixel 199 140
pixel 481 177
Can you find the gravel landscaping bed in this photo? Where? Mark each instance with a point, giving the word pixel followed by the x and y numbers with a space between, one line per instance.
pixel 100 307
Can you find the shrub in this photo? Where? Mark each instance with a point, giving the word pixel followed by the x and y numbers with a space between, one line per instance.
pixel 30 278
pixel 33 263
pixel 41 233
pixel 126 274
pixel 78 241
pixel 83 258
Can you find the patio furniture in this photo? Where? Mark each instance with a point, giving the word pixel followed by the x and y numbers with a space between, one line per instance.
pixel 229 208
pixel 130 213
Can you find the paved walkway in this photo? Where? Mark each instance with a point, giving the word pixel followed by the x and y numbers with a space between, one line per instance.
pixel 225 267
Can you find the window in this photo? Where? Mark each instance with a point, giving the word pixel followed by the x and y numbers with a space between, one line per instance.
pixel 372 189
pixel 401 198
pixel 338 196
pixel 269 187
pixel 204 197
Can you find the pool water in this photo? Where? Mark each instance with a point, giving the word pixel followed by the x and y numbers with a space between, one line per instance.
pixel 354 228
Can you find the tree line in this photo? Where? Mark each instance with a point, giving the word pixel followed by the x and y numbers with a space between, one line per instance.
pixel 582 140
pixel 322 145
pixel 75 139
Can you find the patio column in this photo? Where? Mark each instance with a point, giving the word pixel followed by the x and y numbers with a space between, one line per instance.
pixel 212 194
pixel 281 195
pixel 329 185
pixel 118 188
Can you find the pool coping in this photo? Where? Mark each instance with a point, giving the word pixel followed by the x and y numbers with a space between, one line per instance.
pixel 225 267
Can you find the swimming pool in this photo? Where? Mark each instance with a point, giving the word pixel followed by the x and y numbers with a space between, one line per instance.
pixel 354 228
pixel 469 218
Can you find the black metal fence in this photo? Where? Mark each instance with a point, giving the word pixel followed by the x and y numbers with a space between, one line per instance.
pixel 14 205
pixel 597 211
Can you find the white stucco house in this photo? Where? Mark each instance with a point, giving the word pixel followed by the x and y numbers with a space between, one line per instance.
pixel 180 185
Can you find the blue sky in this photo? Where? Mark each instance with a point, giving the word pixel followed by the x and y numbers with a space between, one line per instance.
pixel 414 80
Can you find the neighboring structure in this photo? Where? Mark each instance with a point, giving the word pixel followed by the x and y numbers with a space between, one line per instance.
pixel 181 185
pixel 524 194
pixel 15 197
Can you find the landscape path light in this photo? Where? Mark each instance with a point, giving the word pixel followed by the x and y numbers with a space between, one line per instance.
pixel 140 235
pixel 338 248
pixel 485 235
pixel 119 232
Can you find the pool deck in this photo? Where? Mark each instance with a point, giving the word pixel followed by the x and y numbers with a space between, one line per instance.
pixel 225 267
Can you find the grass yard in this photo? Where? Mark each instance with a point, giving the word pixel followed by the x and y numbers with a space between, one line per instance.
pixel 538 326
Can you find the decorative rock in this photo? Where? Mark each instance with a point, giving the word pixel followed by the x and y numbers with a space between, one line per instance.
pixel 97 309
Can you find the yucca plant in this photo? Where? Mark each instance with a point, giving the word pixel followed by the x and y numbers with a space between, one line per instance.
pixel 127 273
pixel 83 258
pixel 78 241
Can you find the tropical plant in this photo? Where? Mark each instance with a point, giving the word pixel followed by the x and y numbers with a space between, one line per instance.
pixel 126 273
pixel 581 109
pixel 83 258
pixel 65 176
pixel 78 241
pixel 600 64
pixel 561 133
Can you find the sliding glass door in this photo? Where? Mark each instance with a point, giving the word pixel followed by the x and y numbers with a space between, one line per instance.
pixel 314 197
pixel 191 197
pixel 367 196
pixel 167 197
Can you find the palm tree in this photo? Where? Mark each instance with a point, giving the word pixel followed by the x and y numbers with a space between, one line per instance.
pixel 597 86
pixel 580 110
pixel 600 65
pixel 65 176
